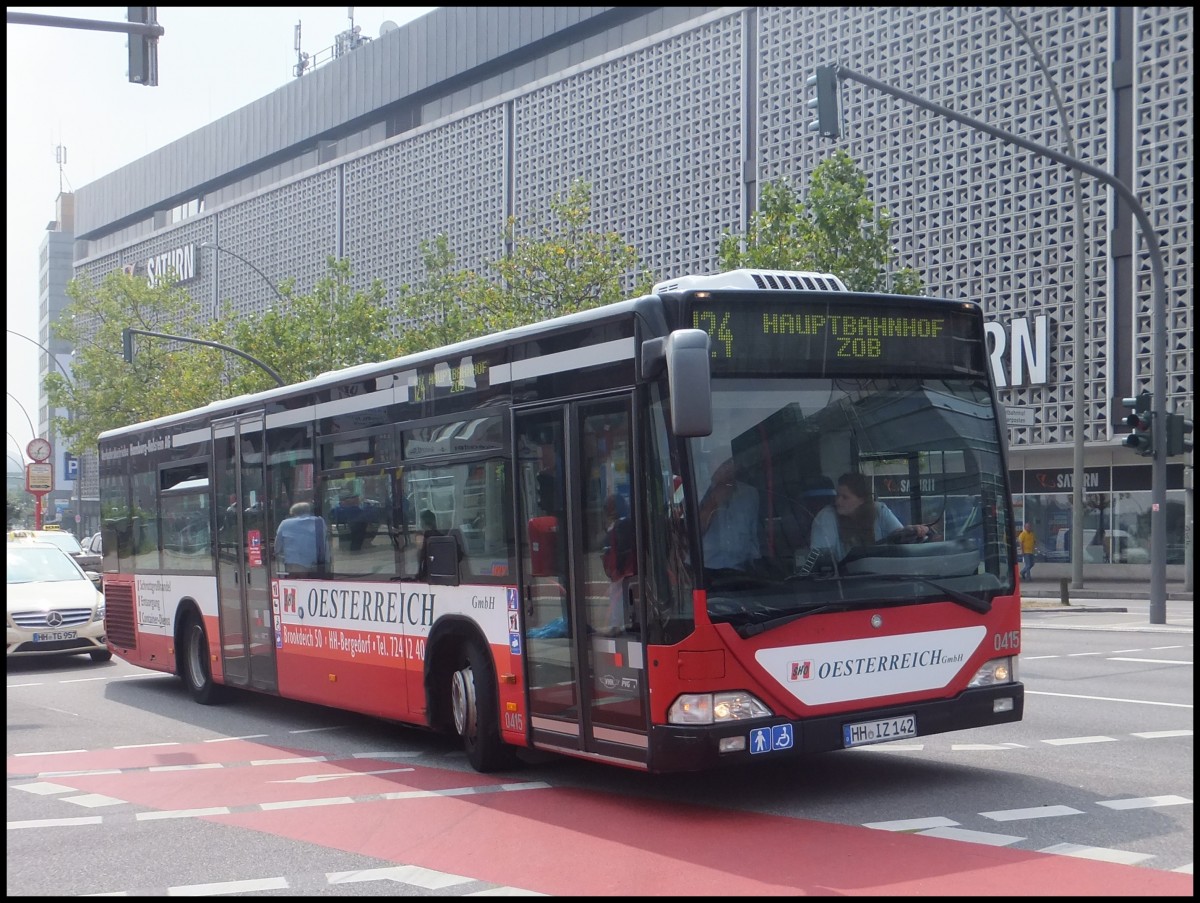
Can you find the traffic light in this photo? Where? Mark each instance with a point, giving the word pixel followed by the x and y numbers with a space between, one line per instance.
pixel 826 103
pixel 127 345
pixel 1141 440
pixel 143 49
pixel 1179 428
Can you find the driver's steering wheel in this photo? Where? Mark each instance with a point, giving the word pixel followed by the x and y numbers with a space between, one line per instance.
pixel 907 535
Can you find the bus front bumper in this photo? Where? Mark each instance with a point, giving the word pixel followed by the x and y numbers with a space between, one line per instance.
pixel 694 748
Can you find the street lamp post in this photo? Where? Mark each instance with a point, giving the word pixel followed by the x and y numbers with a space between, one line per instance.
pixel 70 413
pixel 1079 414
pixel 213 246
pixel 37 516
pixel 1158 322
pixel 28 419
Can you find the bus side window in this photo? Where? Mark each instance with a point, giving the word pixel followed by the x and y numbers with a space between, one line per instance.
pixel 468 501
pixel 357 509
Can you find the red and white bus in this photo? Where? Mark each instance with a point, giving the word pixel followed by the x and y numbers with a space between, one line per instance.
pixel 510 532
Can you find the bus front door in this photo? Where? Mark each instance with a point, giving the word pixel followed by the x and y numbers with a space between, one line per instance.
pixel 578 506
pixel 247 629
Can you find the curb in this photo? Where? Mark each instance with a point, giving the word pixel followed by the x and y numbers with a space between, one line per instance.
pixel 1096 595
pixel 1081 609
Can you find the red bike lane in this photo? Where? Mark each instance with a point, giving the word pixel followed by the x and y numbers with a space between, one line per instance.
pixel 564 841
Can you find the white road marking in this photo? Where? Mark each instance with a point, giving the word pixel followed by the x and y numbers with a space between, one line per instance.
pixel 193 767
pixel 317 778
pixel 403 874
pixel 1173 705
pixel 1101 854
pixel 398 754
pixel 981 837
pixel 182 813
pixel 1070 741
pixel 55 822
pixel 94 800
pixel 911 824
pixel 44 788
pixel 1145 802
pixel 1033 812
pixel 303 804
pixel 250 886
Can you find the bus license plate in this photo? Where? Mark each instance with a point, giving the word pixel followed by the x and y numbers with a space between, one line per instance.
pixel 881 731
pixel 51 636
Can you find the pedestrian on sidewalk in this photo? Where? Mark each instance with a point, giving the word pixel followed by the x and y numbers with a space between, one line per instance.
pixel 1027 542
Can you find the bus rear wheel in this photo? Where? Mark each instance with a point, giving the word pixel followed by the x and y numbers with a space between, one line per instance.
pixel 473 702
pixel 193 665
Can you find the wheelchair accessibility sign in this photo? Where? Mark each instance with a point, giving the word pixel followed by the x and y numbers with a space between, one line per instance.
pixel 771 739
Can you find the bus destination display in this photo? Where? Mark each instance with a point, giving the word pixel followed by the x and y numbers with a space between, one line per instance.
pixel 836 337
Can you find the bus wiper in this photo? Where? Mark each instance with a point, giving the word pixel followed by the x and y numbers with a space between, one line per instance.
pixel 976 604
pixel 749 630
pixel 966 600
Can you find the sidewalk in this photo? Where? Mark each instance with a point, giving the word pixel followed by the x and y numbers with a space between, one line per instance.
pixel 1104 605
pixel 1098 589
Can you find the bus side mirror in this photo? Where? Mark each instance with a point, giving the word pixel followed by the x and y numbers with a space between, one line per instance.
pixel 686 354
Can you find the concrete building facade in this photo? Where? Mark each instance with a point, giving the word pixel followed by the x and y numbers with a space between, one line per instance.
pixel 677 117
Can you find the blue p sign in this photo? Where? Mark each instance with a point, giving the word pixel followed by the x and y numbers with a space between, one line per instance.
pixel 70 466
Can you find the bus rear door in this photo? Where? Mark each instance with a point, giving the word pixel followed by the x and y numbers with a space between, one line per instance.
pixel 247 629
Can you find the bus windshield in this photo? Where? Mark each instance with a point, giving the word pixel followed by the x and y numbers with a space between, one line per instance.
pixel 814 493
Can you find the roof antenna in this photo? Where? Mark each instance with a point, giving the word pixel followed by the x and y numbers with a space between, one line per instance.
pixel 60 155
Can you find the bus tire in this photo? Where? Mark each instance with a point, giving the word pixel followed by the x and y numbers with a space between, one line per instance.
pixel 193 665
pixel 101 655
pixel 473 702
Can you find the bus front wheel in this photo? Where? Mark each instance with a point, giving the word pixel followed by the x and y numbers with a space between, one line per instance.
pixel 193 666
pixel 473 701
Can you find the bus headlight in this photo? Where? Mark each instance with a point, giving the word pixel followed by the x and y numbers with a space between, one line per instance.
pixel 997 671
pixel 716 708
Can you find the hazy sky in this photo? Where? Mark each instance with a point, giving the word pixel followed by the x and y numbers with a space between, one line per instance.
pixel 68 87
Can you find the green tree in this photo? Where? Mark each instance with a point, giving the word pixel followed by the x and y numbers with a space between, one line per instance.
pixel 555 268
pixel 837 229
pixel 332 327
pixel 20 509
pixel 445 307
pixel 105 392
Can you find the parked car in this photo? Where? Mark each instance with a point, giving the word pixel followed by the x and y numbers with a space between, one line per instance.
pixel 54 608
pixel 89 561
pixel 1117 546
pixel 93 545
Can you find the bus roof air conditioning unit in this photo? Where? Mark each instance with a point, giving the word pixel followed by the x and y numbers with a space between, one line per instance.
pixel 779 280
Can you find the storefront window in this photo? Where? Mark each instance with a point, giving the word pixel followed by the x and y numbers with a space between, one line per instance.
pixel 1116 516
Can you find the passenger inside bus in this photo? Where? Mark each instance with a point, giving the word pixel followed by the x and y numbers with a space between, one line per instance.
pixel 429 527
pixel 351 521
pixel 300 542
pixel 619 557
pixel 729 521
